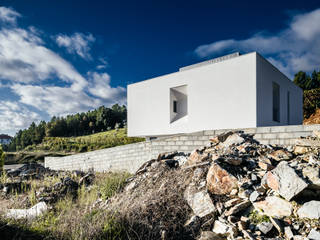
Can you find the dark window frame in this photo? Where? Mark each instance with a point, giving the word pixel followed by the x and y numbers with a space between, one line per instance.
pixel 275 102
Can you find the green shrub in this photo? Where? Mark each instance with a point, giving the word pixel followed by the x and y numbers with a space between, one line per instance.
pixel 2 156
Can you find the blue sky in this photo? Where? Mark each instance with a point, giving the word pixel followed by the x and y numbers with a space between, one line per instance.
pixel 62 57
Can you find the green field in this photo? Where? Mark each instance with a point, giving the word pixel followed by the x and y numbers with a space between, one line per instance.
pixel 91 142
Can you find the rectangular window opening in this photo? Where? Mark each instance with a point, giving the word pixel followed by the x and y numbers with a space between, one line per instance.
pixel 175 106
pixel 276 102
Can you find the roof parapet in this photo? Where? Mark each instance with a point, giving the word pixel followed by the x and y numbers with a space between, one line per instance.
pixel 211 61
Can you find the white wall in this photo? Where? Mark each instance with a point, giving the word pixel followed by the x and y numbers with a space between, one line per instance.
pixel 266 74
pixel 220 96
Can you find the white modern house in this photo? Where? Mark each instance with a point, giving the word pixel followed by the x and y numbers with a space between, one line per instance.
pixel 233 91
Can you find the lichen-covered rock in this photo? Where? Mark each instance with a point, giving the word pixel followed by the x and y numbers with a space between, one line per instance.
pixel 220 181
pixel 274 206
pixel 284 180
pixel 310 210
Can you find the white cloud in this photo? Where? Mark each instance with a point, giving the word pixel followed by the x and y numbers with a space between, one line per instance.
pixel 26 68
pixel 24 58
pixel 293 49
pixel 100 87
pixel 78 43
pixel 15 116
pixel 8 15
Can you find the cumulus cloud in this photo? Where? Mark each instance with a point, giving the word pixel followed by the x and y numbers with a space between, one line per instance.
pixel 295 48
pixel 8 15
pixel 15 116
pixel 100 87
pixel 78 43
pixel 27 67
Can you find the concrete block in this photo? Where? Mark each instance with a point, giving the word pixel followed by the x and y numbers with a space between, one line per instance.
pixel 263 130
pixel 209 132
pixel 295 128
pixel 250 130
pixel 269 135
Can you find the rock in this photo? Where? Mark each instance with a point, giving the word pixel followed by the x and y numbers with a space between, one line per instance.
pixel 208 235
pixel 219 181
pixel 196 157
pixel 232 140
pixel 253 196
pixel 280 155
pixel 284 180
pixel 232 202
pixel 274 206
pixel 312 174
pixel 200 202
pixel 265 164
pixel 30 213
pixel 237 208
pixel 265 227
pixel 221 137
pixel 288 233
pixel 314 235
pixel 220 228
pixel 299 150
pixel 310 210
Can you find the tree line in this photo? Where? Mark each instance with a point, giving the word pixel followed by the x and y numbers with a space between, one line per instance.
pixel 306 81
pixel 98 120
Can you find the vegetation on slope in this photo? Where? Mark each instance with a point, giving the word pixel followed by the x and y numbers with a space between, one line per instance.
pixel 91 142
pixel 98 120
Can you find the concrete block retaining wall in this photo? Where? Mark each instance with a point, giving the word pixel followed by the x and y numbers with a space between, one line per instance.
pixel 130 157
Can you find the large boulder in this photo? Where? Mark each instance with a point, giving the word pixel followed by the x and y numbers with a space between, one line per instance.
pixel 200 202
pixel 310 210
pixel 285 181
pixel 274 207
pixel 220 181
pixel 196 157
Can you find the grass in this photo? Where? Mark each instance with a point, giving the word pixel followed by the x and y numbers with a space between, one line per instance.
pixel 72 218
pixel 92 142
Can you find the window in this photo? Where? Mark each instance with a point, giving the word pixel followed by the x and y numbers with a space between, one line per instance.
pixel 178 103
pixel 276 102
pixel 288 107
pixel 175 106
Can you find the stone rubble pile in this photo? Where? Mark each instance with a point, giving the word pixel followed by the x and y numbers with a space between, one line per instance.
pixel 241 189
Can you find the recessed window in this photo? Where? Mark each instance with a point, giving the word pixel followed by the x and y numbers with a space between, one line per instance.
pixel 178 103
pixel 175 106
pixel 275 102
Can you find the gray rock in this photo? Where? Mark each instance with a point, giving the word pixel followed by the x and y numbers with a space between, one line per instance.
pixel 30 213
pixel 253 196
pixel 314 235
pixel 284 180
pixel 232 140
pixel 200 202
pixel 274 206
pixel 310 210
pixel 288 233
pixel 265 227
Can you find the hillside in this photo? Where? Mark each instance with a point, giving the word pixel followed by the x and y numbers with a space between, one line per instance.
pixel 61 146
